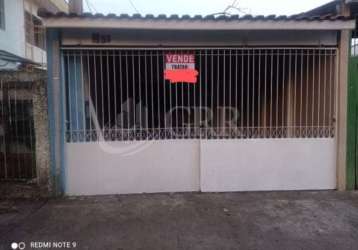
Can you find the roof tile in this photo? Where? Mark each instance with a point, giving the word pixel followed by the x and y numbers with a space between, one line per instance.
pixel 45 14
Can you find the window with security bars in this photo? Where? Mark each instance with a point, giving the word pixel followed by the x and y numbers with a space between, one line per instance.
pixel 35 34
pixel 17 132
pixel 122 94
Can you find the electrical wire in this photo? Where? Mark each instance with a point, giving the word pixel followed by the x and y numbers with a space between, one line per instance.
pixel 132 4
pixel 232 6
pixel 90 6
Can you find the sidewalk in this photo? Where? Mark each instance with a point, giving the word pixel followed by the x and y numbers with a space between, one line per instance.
pixel 269 221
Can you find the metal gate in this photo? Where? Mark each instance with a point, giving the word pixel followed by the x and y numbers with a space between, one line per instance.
pixel 256 118
pixel 17 139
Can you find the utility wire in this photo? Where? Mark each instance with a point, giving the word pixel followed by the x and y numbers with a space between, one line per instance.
pixel 131 2
pixel 232 6
pixel 90 6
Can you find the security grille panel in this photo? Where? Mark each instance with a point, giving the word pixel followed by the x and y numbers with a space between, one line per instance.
pixel 121 94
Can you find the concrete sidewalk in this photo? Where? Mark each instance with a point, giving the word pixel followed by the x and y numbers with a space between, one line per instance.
pixel 274 220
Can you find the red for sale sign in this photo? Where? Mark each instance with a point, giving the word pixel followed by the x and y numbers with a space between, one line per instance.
pixel 180 68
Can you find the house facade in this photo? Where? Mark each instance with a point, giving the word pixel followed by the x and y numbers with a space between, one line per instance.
pixel 216 103
pixel 21 30
pixel 24 146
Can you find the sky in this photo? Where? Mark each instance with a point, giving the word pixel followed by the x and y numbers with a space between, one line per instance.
pixel 202 7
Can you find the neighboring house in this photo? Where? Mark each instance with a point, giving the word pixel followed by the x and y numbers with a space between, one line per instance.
pixel 23 96
pixel 22 32
pixel 264 107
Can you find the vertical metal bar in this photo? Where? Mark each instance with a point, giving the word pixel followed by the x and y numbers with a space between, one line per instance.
pixel 230 95
pixel 4 120
pixel 295 95
pixel 95 89
pixel 236 91
pixel 134 97
pixel 301 93
pixel 89 93
pixel 330 99
pixel 242 92
pixel 76 94
pixel 248 93
pixel 271 93
pixel 181 89
pixel 324 88
pixel 15 119
pixel 330 118
pixel 307 92
pixel 152 90
pixel 108 96
pixel 220 101
pixel 32 144
pixel 176 109
pixel 259 126
pixel 195 107
pixel 102 92
pixel 158 100
pixel 189 107
pixel 222 129
pixel 23 135
pixel 289 110
pixel 319 91
pixel 127 100
pixel 313 89
pixel 164 96
pixel 171 102
pixel 253 91
pixel 140 95
pixel 277 86
pixel 283 96
pixel 83 99
pixel 146 94
pixel 115 93
pixel 200 93
pixel 122 99
pixel 182 108
pixel 335 92
pixel 265 94
pixel 9 130
pixel 212 93
pixel 206 89
pixel 69 117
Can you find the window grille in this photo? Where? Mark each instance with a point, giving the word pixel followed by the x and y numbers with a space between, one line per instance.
pixel 17 134
pixel 121 94
pixel 34 31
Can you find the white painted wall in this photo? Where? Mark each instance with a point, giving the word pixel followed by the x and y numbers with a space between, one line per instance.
pixel 268 164
pixel 147 38
pixel 206 165
pixel 154 166
pixel 12 39
pixel 35 54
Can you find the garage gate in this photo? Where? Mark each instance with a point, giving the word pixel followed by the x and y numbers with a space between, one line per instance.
pixel 255 118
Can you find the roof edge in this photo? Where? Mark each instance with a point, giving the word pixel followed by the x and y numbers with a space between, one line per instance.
pixel 105 23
